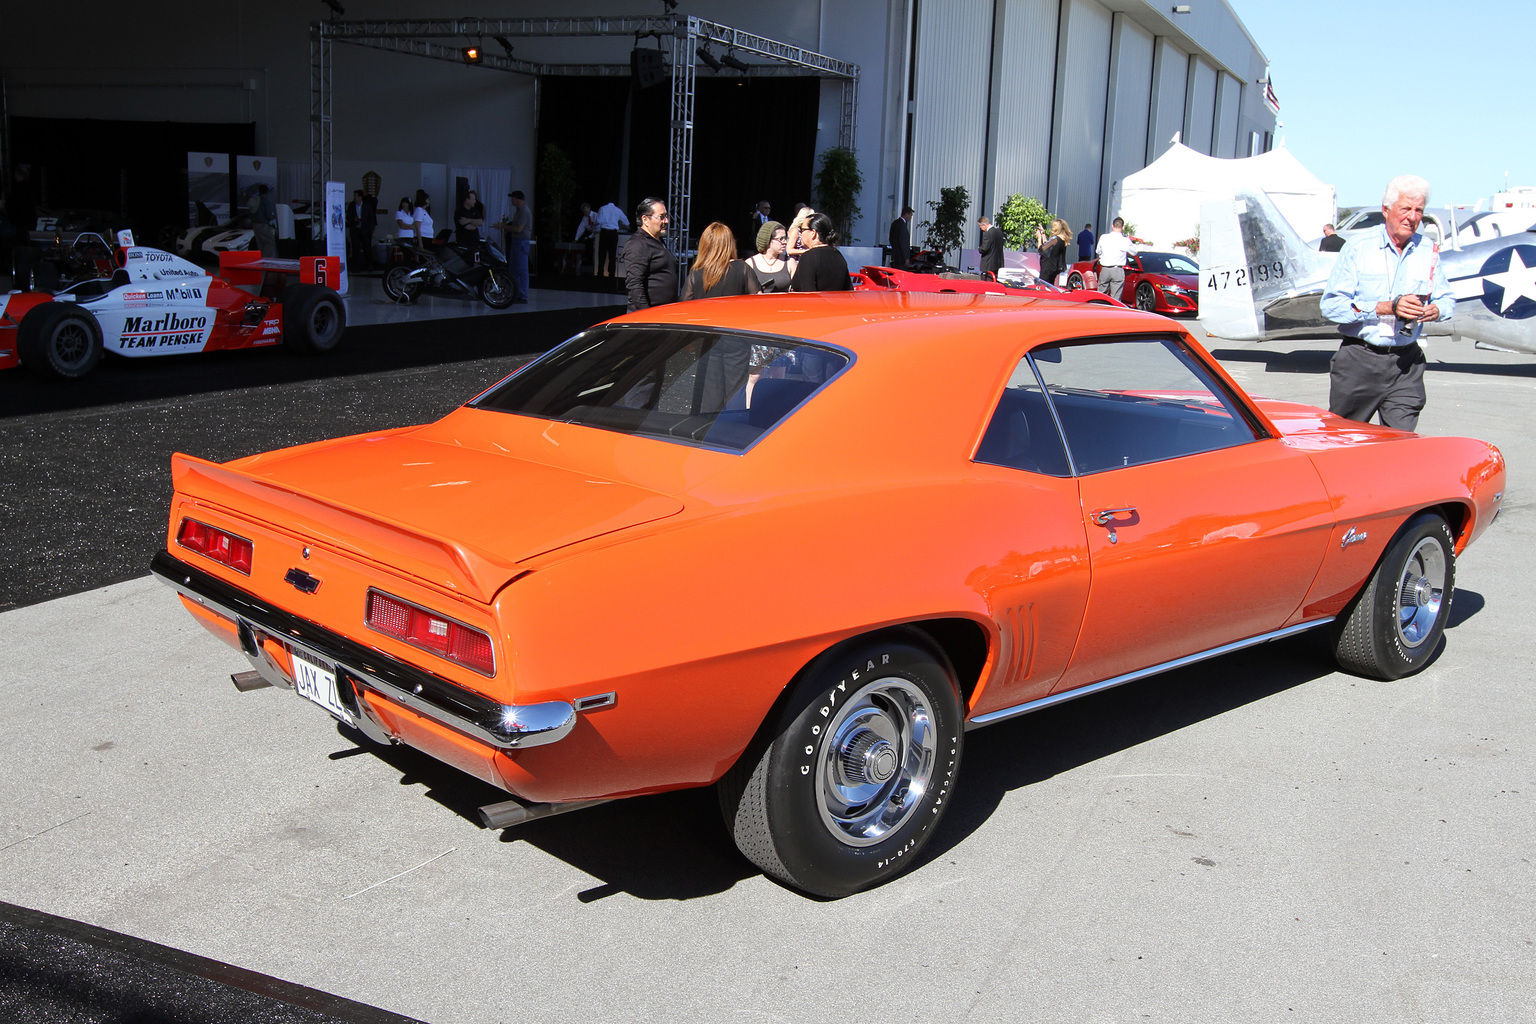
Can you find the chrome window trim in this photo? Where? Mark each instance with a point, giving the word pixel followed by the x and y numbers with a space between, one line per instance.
pixel 502 726
pixel 1130 677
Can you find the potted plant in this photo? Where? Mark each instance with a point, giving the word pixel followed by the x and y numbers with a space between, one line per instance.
pixel 946 231
pixel 837 189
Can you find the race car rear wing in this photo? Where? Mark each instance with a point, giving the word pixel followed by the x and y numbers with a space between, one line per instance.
pixel 247 267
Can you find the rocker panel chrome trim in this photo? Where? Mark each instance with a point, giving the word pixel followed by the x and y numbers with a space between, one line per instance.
pixel 1130 677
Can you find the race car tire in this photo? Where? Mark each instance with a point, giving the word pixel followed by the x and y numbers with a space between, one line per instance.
pixel 397 285
pixel 496 289
pixel 1146 297
pixel 59 339
pixel 313 318
pixel 1396 623
pixel 1074 282
pixel 852 774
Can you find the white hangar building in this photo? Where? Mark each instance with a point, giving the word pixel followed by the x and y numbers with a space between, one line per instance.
pixel 1059 99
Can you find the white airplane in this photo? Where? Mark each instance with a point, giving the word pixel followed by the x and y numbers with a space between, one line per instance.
pixel 1258 279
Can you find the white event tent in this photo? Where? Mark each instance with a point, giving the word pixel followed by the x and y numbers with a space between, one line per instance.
pixel 1162 200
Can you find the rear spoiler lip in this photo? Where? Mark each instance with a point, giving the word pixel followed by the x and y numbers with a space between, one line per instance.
pixel 248 267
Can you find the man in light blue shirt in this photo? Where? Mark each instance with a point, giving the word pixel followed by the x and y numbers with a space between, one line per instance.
pixel 1386 284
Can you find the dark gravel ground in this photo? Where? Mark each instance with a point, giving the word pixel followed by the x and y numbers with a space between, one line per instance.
pixel 85 465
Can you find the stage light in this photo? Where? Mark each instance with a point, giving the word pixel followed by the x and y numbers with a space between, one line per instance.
pixel 730 60
pixel 708 58
pixel 472 55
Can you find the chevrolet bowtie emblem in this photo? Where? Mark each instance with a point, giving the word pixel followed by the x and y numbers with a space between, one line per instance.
pixel 302 581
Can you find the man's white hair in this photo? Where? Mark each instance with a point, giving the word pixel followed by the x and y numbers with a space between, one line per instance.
pixel 1406 185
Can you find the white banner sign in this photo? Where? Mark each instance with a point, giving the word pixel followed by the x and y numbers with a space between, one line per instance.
pixel 336 231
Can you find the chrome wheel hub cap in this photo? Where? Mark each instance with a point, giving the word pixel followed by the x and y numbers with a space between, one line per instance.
pixel 1421 592
pixel 876 761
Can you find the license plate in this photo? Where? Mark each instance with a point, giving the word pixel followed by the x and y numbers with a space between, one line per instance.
pixel 317 682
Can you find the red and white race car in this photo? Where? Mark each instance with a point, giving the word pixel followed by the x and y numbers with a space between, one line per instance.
pixel 156 304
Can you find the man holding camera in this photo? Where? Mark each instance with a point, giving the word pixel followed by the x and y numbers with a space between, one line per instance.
pixel 1386 285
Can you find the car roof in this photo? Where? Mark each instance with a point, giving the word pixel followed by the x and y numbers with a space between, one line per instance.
pixel 884 320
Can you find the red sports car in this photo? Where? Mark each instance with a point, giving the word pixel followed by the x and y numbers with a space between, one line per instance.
pixel 1158 282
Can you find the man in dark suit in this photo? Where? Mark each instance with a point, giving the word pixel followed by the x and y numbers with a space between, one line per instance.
pixel 991 247
pixel 1085 242
pixel 901 239
pixel 362 219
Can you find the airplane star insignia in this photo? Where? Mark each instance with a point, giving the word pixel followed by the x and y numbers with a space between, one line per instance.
pixel 1518 282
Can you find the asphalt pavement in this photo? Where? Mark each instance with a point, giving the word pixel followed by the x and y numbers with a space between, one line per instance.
pixel 1258 837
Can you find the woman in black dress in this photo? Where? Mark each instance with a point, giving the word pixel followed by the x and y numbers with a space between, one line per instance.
pixel 1053 251
pixel 716 270
pixel 822 268
pixel 769 266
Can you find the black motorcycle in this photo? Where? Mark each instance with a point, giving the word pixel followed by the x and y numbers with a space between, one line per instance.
pixel 449 267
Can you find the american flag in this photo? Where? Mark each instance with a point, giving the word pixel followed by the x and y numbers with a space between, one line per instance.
pixel 1270 99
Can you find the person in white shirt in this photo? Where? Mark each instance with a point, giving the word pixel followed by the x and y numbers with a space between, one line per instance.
pixel 1112 250
pixel 421 218
pixel 609 218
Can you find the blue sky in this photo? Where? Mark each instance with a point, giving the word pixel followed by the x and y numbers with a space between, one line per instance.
pixel 1370 89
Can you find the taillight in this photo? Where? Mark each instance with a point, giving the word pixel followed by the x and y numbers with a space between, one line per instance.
pixel 216 544
pixel 431 632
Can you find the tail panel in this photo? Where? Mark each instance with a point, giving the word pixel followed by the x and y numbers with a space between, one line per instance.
pixel 1256 274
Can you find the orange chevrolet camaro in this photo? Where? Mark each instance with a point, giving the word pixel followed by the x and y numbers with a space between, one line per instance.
pixel 795 546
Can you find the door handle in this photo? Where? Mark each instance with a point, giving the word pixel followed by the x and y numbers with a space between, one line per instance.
pixel 1105 516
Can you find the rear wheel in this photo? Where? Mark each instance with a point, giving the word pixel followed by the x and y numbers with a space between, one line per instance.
pixel 59 339
pixel 496 288
pixel 1395 625
pixel 313 318
pixel 398 286
pixel 1074 282
pixel 1146 297
pixel 856 773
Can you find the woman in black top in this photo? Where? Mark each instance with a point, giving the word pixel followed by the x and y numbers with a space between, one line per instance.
pixel 716 271
pixel 1053 251
pixel 822 268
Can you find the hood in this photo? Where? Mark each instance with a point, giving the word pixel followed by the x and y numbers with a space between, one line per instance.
pixel 457 517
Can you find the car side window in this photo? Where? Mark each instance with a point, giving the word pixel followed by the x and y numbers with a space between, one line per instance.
pixel 1022 434
pixel 1127 402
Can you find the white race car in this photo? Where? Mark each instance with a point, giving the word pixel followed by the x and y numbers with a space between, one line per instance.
pixel 155 303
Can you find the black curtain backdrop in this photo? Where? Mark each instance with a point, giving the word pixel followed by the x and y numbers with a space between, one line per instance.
pixel 753 139
pixel 136 171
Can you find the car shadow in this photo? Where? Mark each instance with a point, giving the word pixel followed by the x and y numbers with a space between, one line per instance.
pixel 1311 361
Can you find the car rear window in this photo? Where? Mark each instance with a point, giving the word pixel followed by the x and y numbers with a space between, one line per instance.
pixel 700 386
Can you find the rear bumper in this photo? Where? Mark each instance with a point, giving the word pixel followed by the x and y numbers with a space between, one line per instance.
pixel 500 726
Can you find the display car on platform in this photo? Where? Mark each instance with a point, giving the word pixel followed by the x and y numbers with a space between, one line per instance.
pixel 137 301
pixel 795 546
pixel 1158 282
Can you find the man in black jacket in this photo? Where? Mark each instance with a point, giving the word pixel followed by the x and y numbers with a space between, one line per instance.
pixel 991 248
pixel 650 269
pixel 901 239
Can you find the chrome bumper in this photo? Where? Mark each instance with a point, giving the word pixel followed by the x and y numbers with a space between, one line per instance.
pixel 503 726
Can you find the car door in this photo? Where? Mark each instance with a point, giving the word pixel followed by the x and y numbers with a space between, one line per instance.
pixel 1202 529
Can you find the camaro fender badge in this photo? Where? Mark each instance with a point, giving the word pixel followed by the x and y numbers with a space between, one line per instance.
pixel 1352 536
pixel 302 581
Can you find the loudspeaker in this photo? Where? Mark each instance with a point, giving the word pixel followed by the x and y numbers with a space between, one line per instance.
pixel 647 66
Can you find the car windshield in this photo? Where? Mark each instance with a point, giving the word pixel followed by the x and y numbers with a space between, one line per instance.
pixel 701 386
pixel 1167 263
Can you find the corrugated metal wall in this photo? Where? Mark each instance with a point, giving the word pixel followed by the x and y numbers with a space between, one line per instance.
pixel 1200 106
pixel 1229 103
pixel 1170 72
pixel 1130 103
pixel 1082 88
pixel 1024 79
pixel 954 46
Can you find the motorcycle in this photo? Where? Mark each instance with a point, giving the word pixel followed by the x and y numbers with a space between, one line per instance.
pixel 451 268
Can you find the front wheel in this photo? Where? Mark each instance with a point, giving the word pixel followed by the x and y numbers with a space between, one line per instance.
pixel 856 774
pixel 1074 282
pixel 1395 625
pixel 496 288
pixel 1146 297
pixel 59 339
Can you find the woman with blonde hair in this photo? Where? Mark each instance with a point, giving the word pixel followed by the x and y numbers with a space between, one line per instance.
pixel 1053 251
pixel 716 270
pixel 794 248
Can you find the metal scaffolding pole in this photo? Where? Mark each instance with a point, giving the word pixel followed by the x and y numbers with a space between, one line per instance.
pixel 680 148
pixel 319 117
